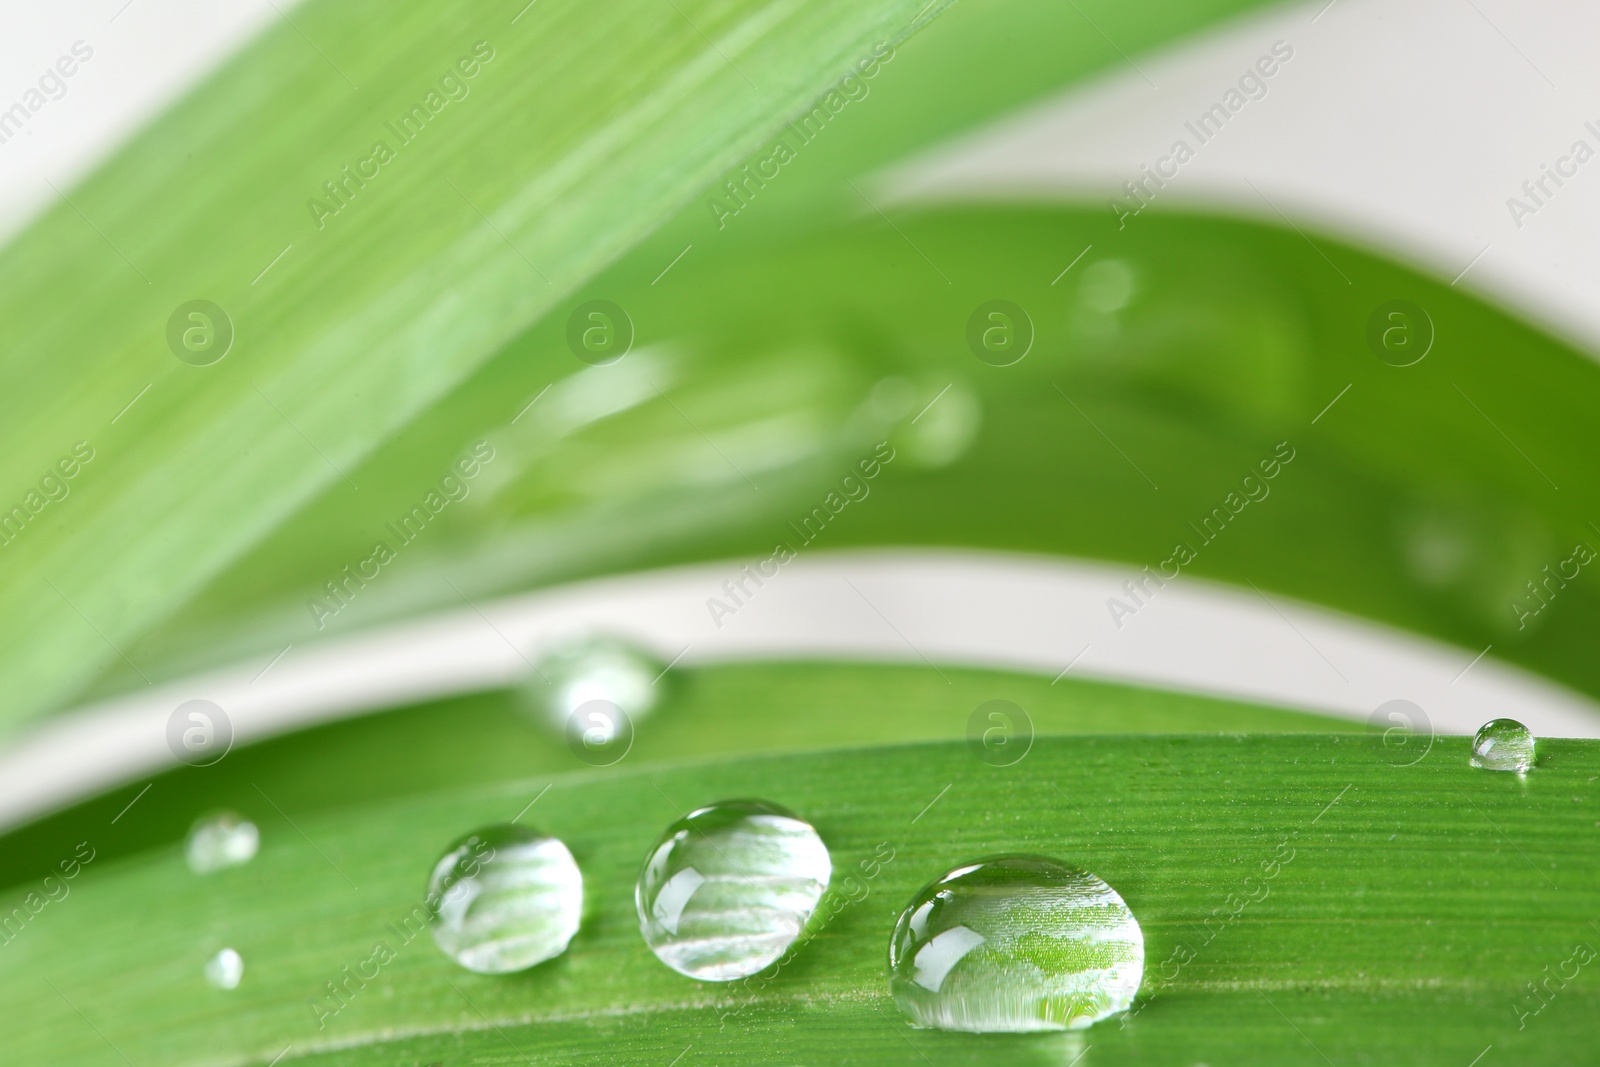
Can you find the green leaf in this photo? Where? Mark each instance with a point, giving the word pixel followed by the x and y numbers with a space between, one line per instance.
pixel 1405 502
pixel 589 129
pixel 546 142
pixel 1413 902
pixel 705 712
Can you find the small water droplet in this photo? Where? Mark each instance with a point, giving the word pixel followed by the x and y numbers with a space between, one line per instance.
pixel 1014 944
pixel 225 969
pixel 1503 745
pixel 1107 286
pixel 729 888
pixel 504 898
pixel 223 839
pixel 576 671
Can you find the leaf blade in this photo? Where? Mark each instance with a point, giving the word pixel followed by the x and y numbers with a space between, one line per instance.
pixel 349 338
pixel 1365 848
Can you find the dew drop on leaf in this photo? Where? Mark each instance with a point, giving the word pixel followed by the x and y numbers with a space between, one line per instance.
pixel 221 840
pixel 505 898
pixel 1503 745
pixel 225 969
pixel 576 671
pixel 1013 944
pixel 729 888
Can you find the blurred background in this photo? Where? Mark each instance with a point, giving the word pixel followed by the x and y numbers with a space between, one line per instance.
pixel 1202 368
pixel 1397 134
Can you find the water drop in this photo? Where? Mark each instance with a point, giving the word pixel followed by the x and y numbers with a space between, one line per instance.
pixel 505 898
pixel 1107 286
pixel 944 431
pixel 729 888
pixel 1503 745
pixel 221 840
pixel 1013 944
pixel 225 969
pixel 576 671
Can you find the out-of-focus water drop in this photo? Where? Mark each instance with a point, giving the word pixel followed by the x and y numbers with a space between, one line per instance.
pixel 223 839
pixel 1013 944
pixel 578 671
pixel 1503 745
pixel 945 427
pixel 505 898
pixel 729 888
pixel 225 969
pixel 1107 285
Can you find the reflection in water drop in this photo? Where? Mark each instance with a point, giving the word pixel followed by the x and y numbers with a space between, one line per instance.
pixel 1503 745
pixel 224 839
pixel 505 898
pixel 729 888
pixel 1012 944
pixel 225 969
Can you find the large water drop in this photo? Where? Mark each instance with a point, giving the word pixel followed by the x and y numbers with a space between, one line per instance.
pixel 1012 944
pixel 1503 745
pixel 729 888
pixel 505 898
pixel 222 840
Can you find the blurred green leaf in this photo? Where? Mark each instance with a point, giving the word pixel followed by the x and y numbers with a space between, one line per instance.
pixel 555 137
pixel 543 142
pixel 1114 438
pixel 587 130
